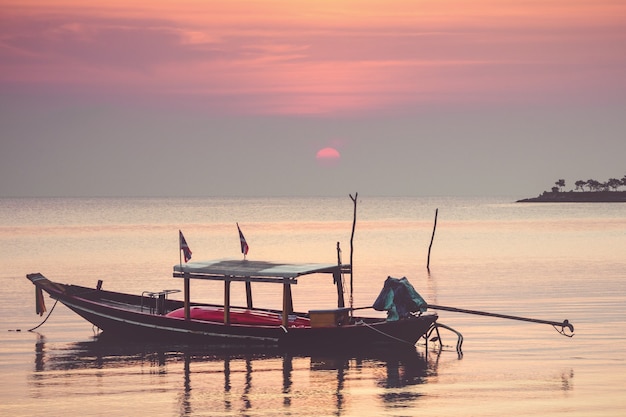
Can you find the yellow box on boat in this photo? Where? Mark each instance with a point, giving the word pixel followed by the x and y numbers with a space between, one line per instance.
pixel 329 318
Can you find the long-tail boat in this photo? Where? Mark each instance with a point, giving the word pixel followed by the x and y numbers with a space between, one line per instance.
pixel 155 315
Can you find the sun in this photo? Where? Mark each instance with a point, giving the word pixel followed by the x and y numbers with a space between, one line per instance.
pixel 328 156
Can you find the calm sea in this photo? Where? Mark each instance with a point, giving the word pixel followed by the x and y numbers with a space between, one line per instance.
pixel 546 261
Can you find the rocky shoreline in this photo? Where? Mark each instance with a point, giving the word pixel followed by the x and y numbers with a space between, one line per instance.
pixel 578 197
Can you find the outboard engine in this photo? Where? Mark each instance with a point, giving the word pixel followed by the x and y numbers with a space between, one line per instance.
pixel 399 299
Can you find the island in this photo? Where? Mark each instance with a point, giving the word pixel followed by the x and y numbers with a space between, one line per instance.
pixel 597 192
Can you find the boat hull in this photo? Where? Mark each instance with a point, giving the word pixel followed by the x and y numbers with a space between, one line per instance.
pixel 126 316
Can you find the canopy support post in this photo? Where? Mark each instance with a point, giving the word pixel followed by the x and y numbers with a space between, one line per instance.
pixel 287 303
pixel 227 302
pixel 338 278
pixel 187 296
pixel 249 294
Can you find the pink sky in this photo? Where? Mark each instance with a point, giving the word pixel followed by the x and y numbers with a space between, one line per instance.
pixel 317 57
pixel 426 97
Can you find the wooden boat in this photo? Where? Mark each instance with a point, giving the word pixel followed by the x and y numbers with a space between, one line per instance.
pixel 155 316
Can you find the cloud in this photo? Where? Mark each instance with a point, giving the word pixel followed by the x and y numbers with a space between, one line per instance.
pixel 318 58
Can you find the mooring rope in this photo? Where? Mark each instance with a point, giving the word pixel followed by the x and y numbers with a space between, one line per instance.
pixel 44 320
pixel 383 333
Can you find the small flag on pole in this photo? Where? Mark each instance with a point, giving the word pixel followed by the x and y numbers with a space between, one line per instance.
pixel 242 240
pixel 184 247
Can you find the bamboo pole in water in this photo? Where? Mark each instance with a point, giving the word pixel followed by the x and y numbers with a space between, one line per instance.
pixel 354 200
pixel 431 241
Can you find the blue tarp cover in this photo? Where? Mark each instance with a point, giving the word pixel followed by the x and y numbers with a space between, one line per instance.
pixel 399 299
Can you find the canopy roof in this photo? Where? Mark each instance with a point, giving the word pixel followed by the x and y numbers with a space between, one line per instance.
pixel 246 270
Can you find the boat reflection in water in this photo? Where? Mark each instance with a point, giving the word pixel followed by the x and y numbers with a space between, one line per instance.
pixel 191 379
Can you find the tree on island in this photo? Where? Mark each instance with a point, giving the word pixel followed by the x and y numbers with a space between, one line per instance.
pixel 614 183
pixel 560 184
pixel 580 185
pixel 591 191
pixel 593 185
